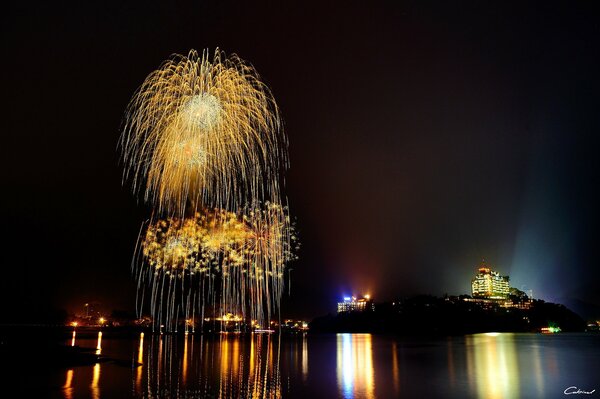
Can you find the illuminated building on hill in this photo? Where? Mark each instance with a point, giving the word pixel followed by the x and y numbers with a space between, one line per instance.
pixel 489 290
pixel 352 304
pixel 489 284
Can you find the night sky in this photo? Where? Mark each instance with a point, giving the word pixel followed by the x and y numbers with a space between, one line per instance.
pixel 423 137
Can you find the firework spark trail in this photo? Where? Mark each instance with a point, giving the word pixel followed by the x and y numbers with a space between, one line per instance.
pixel 204 132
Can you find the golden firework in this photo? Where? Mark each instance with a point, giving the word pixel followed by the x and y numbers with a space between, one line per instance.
pixel 175 245
pixel 246 252
pixel 203 132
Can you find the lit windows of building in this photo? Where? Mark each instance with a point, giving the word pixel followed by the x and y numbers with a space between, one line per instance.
pixel 489 289
pixel 353 304
pixel 489 284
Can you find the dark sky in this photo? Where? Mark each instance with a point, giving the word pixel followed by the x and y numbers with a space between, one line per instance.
pixel 424 136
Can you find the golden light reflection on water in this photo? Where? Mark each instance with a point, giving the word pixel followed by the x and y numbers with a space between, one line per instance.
pixel 99 345
pixel 140 359
pixel 254 377
pixel 160 361
pixel 95 386
pixel 484 366
pixel 73 339
pixel 304 358
pixel 225 363
pixel 253 358
pixel 355 373
pixel 492 365
pixel 68 387
pixel 185 358
pixel 231 365
pixel 395 368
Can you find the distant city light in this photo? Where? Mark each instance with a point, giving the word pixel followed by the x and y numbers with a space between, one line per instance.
pixel 258 330
pixel 230 317
pixel 352 304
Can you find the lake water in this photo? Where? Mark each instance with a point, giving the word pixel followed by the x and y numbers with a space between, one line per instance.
pixel 493 365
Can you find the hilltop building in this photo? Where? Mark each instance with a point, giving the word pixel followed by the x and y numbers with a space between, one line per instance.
pixel 352 304
pixel 489 284
pixel 490 289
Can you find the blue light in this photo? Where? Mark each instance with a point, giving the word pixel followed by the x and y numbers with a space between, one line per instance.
pixel 347 299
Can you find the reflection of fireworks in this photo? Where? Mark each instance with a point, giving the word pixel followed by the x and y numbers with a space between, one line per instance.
pixel 245 252
pixel 228 367
pixel 203 131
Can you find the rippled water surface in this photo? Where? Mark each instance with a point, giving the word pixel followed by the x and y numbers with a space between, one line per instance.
pixel 322 366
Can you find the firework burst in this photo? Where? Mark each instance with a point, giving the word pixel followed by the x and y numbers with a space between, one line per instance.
pixel 203 131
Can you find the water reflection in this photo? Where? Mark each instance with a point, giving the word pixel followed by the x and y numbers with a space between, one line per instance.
pixel 395 367
pixel 185 356
pixel 95 386
pixel 140 361
pixel 68 387
pixel 99 345
pixel 355 374
pixel 266 366
pixel 450 355
pixel 537 369
pixel 304 358
pixel 230 365
pixel 492 365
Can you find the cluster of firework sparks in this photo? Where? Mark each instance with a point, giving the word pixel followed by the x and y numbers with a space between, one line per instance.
pixel 202 143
